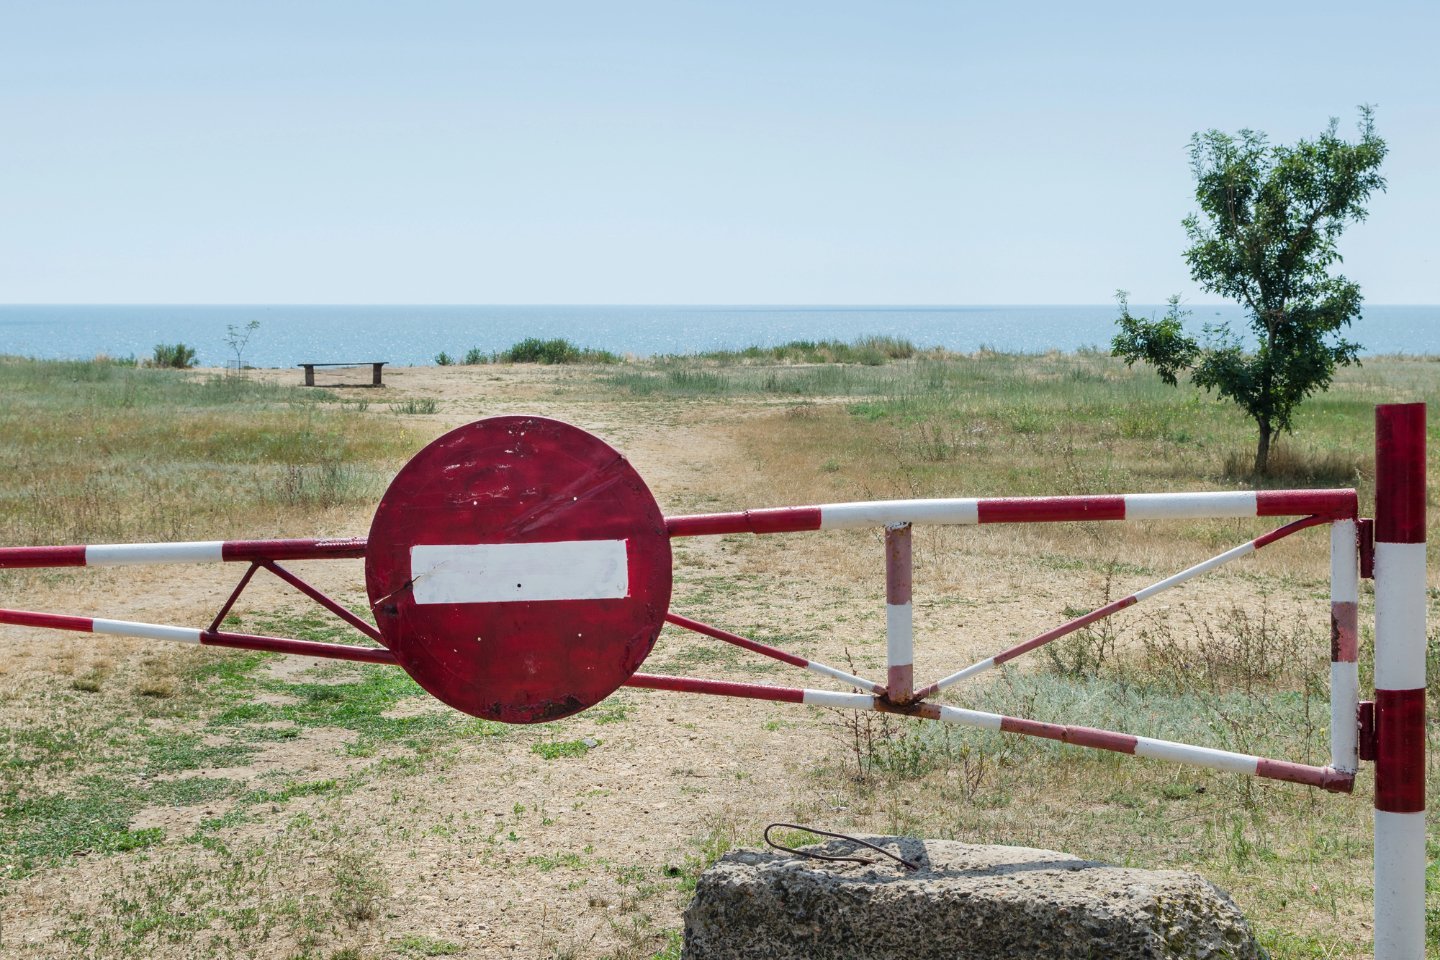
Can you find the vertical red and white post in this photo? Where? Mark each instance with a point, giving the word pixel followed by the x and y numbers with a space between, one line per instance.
pixel 1400 681
pixel 1344 646
pixel 899 615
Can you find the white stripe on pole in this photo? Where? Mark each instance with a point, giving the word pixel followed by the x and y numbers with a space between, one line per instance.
pixel 843 516
pixel 1344 706
pixel 148 631
pixel 1190 506
pixel 828 671
pixel 508 572
pixel 1344 568
pixel 971 718
pixel 965 674
pixel 123 554
pixel 829 698
pixel 899 635
pixel 1196 756
pixel 1234 553
pixel 1399 899
pixel 1399 616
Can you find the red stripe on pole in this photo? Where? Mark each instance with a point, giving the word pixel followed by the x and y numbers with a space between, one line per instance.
pixel 1079 736
pixel 1098 614
pixel 1331 504
pixel 1326 778
pixel 1400 750
pixel 739 641
pixel 723 688
pixel 1344 644
pixel 898 570
pixel 332 549
pixel 18 557
pixel 54 621
pixel 308 648
pixel 1051 509
pixel 773 520
pixel 1400 473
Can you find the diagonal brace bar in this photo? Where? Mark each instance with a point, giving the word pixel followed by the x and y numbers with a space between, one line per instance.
pixel 1100 613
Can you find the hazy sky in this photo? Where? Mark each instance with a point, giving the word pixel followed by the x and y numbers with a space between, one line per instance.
pixel 726 152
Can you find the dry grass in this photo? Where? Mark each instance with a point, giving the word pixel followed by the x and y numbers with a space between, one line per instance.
pixel 325 812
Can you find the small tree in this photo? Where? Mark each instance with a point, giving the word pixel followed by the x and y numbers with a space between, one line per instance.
pixel 1265 237
pixel 238 338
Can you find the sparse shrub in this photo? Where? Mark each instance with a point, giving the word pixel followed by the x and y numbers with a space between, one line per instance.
pixel 420 405
pixel 559 350
pixel 174 355
pixel 474 357
pixel 443 359
pixel 360 885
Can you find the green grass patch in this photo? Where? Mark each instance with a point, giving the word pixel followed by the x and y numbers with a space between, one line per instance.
pixel 559 749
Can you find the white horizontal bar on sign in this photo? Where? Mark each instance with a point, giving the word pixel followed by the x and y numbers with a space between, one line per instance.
pixel 1190 506
pixel 121 554
pixel 149 631
pixel 842 516
pixel 512 572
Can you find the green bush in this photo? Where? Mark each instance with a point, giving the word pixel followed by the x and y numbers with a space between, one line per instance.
pixel 474 357
pixel 443 359
pixel 560 350
pixel 175 355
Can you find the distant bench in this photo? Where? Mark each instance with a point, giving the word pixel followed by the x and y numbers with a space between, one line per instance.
pixel 375 366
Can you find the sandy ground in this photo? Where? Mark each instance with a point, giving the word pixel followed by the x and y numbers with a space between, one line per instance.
pixel 499 851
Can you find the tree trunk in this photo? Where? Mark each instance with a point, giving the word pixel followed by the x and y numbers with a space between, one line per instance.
pixel 1262 450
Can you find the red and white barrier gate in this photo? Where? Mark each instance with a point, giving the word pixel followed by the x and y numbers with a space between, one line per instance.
pixel 519 569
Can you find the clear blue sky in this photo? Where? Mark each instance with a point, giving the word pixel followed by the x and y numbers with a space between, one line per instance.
pixel 726 152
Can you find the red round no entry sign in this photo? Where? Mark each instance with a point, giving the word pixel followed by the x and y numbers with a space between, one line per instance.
pixel 519 569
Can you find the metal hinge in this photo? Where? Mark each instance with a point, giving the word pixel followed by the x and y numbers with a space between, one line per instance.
pixel 1365 533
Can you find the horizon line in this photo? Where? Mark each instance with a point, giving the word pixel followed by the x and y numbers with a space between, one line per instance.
pixel 782 306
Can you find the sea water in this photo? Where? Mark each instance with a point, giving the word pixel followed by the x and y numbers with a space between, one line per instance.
pixel 412 335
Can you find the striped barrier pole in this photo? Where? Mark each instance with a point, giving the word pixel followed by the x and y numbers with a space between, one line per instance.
pixel 1326 504
pixel 1344 646
pixel 775 653
pixel 899 614
pixel 1400 601
pixel 1208 757
pixel 213 638
pixel 204 551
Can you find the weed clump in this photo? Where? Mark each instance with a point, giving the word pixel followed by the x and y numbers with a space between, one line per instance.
pixel 175 356
pixel 559 350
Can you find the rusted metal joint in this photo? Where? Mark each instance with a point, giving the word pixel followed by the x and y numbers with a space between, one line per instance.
pixel 912 708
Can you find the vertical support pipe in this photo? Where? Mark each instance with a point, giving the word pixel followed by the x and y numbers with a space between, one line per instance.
pixel 1400 681
pixel 1344 646
pixel 899 615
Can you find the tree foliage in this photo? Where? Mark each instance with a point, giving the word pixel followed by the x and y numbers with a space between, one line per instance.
pixel 1265 237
